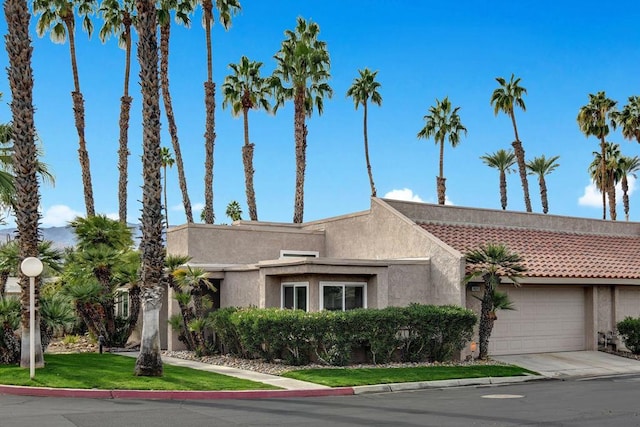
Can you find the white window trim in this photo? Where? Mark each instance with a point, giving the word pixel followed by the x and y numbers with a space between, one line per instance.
pixel 285 253
pixel 294 285
pixel 362 285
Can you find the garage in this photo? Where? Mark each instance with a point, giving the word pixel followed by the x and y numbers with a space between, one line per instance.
pixel 545 319
pixel 628 302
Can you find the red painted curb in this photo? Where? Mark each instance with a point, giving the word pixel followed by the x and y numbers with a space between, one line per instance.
pixel 170 394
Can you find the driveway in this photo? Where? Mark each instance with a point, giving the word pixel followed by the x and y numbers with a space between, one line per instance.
pixel 573 363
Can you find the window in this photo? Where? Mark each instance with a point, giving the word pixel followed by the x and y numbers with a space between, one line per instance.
pixel 295 295
pixel 299 254
pixel 122 303
pixel 342 296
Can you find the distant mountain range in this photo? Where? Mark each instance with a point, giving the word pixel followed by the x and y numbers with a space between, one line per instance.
pixel 62 237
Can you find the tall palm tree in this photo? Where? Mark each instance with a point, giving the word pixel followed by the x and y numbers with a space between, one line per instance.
pixel 491 262
pixel 25 160
pixel 182 9
pixel 58 16
pixel 118 19
pixel 363 89
pixel 505 99
pixel 629 119
pixel 245 90
pixel 167 161
pixel 303 63
pixel 542 166
pixel 226 9
pixel 627 166
pixel 606 180
pixel 503 160
pixel 442 123
pixel 594 119
pixel 149 361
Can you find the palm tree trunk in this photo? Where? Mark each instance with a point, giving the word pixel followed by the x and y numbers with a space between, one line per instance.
pixel 522 167
pixel 210 106
pixel 543 194
pixel 149 361
pixel 300 136
pixel 20 73
pixel 165 31
pixel 612 198
pixel 603 171
pixel 486 322
pixel 366 152
pixel 625 196
pixel 440 180
pixel 247 161
pixel 123 150
pixel 503 189
pixel 4 276
pixel 164 189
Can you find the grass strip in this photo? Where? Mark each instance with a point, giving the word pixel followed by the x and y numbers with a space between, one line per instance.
pixel 113 372
pixel 350 377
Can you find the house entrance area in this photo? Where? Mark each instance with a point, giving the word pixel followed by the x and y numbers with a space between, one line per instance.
pixel 545 319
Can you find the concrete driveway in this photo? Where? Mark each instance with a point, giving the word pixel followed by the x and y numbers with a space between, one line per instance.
pixel 573 363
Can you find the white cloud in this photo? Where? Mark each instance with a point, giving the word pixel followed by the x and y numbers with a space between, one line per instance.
pixel 592 197
pixel 113 216
pixel 404 194
pixel 59 216
pixel 196 207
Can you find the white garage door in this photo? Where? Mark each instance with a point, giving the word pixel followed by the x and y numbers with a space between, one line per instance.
pixel 546 319
pixel 629 302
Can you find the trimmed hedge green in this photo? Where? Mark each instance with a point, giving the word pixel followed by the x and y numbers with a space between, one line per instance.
pixel 629 330
pixel 413 333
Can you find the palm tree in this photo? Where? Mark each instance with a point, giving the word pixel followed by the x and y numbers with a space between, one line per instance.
pixel 606 181
pixel 118 19
pixel 10 260
pixel 441 123
pixel 167 160
pixel 234 211
pixel 226 9
pixel 182 10
pixel 364 88
pixel 491 261
pixel 58 16
pixel 594 119
pixel 627 166
pixel 302 62
pixel 505 99
pixel 542 166
pixel 629 119
pixel 149 361
pixel 503 160
pixel 245 90
pixel 25 161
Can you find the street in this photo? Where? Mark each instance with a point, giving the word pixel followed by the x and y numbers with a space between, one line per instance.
pixel 594 402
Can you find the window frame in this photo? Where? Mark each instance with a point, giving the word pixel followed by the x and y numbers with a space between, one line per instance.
pixel 286 253
pixel 294 285
pixel 344 285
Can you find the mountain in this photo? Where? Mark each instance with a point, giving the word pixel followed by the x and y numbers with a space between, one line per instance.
pixel 62 237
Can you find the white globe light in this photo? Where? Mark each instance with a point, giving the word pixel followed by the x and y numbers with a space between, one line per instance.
pixel 31 266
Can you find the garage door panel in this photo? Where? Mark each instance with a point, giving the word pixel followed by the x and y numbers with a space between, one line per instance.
pixel 629 302
pixel 546 319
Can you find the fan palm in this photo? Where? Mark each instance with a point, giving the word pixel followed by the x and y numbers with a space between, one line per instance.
pixel 606 180
pixel 167 161
pixel 442 123
pixel 542 166
pixel 245 90
pixel 58 16
pixel 118 18
pixel 226 10
pixel 629 119
pixel 595 119
pixel 503 160
pixel 303 63
pixel 183 9
pixel 363 89
pixel 152 277
pixel 627 166
pixel 234 211
pixel 505 99
pixel 491 262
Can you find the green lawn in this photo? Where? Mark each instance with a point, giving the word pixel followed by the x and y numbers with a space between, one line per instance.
pixel 347 377
pixel 110 372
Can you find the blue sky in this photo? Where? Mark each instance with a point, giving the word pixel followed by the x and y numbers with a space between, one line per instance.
pixel 422 50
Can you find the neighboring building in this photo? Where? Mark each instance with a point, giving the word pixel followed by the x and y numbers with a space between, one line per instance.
pixel 583 274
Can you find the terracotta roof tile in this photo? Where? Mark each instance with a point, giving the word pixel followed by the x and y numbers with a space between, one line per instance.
pixel 552 253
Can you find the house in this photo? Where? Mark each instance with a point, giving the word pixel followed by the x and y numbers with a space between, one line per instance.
pixel 583 274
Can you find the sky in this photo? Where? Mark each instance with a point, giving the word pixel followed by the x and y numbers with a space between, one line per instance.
pixel 422 50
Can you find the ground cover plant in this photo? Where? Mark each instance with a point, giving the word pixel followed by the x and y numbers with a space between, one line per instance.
pixel 110 372
pixel 348 377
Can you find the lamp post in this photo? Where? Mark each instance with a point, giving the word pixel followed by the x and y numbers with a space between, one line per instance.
pixel 32 267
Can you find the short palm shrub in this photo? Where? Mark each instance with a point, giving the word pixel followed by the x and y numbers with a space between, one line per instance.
pixel 629 330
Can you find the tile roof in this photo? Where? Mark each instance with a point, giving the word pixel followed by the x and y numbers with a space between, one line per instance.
pixel 552 253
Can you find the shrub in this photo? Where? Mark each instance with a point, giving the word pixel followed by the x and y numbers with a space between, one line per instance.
pixel 629 330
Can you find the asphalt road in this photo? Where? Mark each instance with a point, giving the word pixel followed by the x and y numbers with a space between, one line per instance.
pixel 595 402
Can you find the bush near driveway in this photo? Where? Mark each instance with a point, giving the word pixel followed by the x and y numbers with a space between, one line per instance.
pixel 414 333
pixel 629 330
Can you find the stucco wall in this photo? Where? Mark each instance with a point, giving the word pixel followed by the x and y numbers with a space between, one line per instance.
pixel 240 289
pixel 605 307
